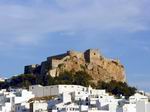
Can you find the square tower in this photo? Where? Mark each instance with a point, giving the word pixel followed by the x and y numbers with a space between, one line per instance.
pixel 30 69
pixel 92 55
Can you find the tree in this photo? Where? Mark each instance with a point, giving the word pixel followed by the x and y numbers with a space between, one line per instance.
pixel 76 78
pixel 49 80
pixel 117 88
pixel 23 80
pixel 82 78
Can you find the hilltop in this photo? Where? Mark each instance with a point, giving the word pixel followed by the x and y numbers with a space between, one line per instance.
pixel 91 62
pixel 76 68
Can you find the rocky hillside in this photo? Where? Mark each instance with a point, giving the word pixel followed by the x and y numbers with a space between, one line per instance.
pixel 91 62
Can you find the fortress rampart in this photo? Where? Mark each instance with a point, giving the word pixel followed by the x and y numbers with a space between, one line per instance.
pixel 70 60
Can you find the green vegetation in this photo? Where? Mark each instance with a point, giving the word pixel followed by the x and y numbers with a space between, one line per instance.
pixel 78 78
pixel 117 88
pixel 23 80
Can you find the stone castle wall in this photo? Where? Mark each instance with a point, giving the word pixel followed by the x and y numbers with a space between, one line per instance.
pixel 92 55
pixel 76 54
pixel 91 59
pixel 29 69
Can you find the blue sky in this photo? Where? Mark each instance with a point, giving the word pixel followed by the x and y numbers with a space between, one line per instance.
pixel 31 30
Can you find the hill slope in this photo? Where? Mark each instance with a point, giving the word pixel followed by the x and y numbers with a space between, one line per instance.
pixel 91 62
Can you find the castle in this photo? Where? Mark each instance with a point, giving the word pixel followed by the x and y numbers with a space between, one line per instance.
pixel 91 61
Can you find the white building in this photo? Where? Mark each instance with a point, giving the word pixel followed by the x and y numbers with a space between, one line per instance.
pixel 15 101
pixel 75 98
pixel 138 97
pixel 21 100
pixel 2 79
pixel 40 91
pixel 7 101
pixel 142 106
pixel 39 106
pixel 69 98
pixel 129 108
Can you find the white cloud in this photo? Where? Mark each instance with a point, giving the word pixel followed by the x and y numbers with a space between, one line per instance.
pixel 29 23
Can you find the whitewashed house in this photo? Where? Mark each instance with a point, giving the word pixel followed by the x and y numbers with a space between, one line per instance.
pixel 138 97
pixel 16 100
pixel 69 98
pixel 21 100
pixel 75 98
pixel 142 106
pixel 39 106
pixel 129 108
pixel 40 91
pixel 7 101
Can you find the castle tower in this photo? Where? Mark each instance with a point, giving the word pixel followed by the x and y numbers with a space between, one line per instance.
pixel 92 55
pixel 30 69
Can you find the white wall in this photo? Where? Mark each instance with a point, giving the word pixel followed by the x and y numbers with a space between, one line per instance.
pixel 143 106
pixel 25 96
pixel 40 106
pixel 140 106
pixel 41 91
pixel 8 106
pixel 66 98
pixel 22 101
pixel 129 108
pixel 147 107
pixel 37 90
pixel 138 97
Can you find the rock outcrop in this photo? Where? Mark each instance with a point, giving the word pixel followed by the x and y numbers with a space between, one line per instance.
pixel 91 62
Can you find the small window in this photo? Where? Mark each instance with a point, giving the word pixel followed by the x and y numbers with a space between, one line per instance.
pixel 7 99
pixel 91 91
pixel 13 99
pixel 83 89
